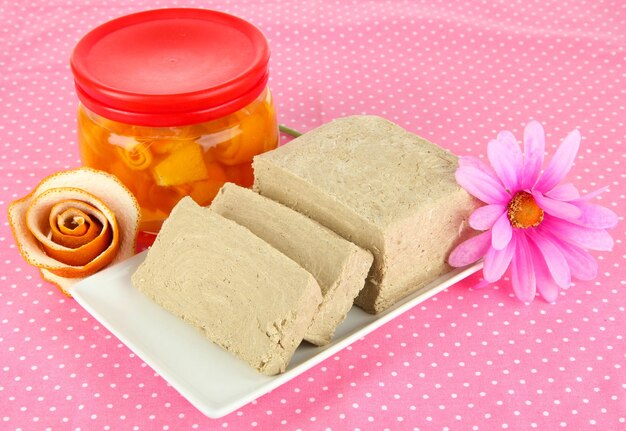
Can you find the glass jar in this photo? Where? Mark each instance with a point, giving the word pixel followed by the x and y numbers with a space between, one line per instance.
pixel 174 102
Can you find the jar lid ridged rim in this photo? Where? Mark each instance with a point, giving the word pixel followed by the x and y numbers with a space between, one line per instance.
pixel 169 67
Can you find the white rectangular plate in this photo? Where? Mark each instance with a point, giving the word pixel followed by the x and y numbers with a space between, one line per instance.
pixel 213 380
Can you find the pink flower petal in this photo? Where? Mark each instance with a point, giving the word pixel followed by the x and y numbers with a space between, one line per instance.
pixel 481 185
pixel 584 237
pixel 522 272
pixel 593 194
pixel 471 250
pixel 497 261
pixel 596 217
pixel 506 158
pixel 501 232
pixel 481 284
pixel 548 289
pixel 475 162
pixel 534 149
pixel 564 192
pixel 561 162
pixel 557 265
pixel 484 217
pixel 581 264
pixel 556 208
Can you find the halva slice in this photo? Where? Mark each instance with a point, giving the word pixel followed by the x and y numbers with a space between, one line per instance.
pixel 382 188
pixel 245 296
pixel 339 266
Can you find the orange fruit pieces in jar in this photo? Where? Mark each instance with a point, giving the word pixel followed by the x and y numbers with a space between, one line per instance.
pixel 254 131
pixel 185 165
pixel 204 191
pixel 160 165
pixel 242 174
pixel 91 138
pixel 134 154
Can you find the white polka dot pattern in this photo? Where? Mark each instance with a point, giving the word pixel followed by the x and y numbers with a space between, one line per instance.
pixel 454 72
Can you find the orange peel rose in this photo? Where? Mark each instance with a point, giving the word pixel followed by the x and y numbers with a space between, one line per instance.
pixel 75 223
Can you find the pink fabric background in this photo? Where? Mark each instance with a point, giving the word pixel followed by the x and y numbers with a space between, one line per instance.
pixel 454 72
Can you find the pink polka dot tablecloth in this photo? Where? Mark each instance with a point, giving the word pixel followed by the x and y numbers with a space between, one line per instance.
pixel 455 72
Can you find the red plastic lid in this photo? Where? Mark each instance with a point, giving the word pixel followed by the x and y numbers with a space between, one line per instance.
pixel 170 67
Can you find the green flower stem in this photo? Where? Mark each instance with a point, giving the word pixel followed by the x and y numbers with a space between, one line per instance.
pixel 288 131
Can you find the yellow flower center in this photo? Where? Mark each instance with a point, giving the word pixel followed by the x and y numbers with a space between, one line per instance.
pixel 523 211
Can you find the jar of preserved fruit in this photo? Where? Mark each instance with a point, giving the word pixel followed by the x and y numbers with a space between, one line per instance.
pixel 174 102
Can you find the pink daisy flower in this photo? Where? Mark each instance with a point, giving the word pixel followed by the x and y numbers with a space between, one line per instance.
pixel 532 223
